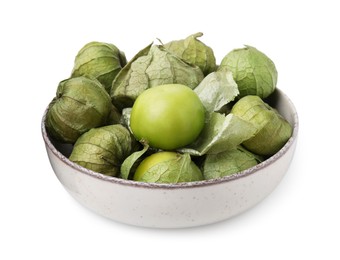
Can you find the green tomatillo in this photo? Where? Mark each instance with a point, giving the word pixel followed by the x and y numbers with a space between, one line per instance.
pixel 99 60
pixel 167 116
pixel 167 167
pixel 273 131
pixel 254 72
pixel 80 104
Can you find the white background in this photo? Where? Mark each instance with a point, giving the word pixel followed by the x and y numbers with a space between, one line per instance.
pixel 39 40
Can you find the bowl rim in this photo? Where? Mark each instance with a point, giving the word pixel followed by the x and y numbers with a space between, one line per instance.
pixel 182 185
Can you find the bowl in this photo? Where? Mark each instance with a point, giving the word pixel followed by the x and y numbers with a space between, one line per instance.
pixel 174 205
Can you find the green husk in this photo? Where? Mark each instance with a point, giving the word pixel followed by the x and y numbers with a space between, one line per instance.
pixel 272 130
pixel 80 104
pixel 195 52
pixel 228 162
pixel 253 71
pixel 220 134
pixel 104 149
pixel 130 161
pixel 115 117
pixel 216 90
pixel 157 67
pixel 99 60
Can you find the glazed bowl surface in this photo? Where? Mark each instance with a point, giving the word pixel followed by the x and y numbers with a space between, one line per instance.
pixel 174 205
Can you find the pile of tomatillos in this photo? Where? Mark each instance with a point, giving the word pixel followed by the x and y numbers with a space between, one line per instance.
pixel 170 114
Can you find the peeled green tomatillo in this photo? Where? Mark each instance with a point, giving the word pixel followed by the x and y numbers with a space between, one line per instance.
pixel 167 167
pixel 167 116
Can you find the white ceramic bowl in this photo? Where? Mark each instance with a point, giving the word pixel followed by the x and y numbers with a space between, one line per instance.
pixel 174 205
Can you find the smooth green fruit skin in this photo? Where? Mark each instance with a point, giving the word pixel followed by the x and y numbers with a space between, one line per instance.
pixel 167 116
pixel 152 160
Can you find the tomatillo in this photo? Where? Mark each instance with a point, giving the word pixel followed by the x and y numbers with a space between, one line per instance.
pixel 167 167
pixel 167 116
pixel 151 161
